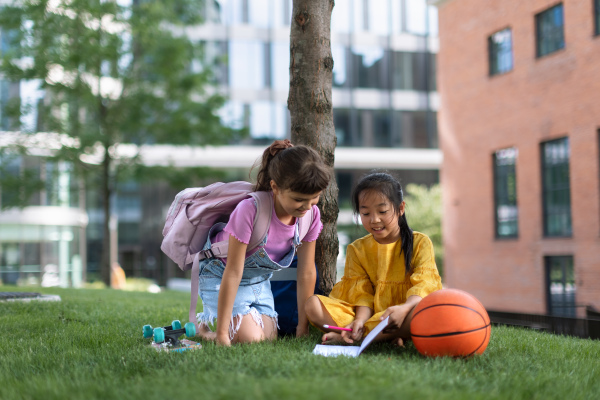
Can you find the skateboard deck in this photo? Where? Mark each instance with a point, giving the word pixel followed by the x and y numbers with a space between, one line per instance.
pixel 186 345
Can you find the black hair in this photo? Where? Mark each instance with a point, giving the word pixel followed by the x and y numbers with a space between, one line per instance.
pixel 297 168
pixel 389 187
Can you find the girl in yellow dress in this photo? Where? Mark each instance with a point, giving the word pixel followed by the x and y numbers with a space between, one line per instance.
pixel 388 272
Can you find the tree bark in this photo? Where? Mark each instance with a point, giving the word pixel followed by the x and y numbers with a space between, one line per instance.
pixel 311 113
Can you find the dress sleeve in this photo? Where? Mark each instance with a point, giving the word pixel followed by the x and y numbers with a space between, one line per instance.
pixel 425 278
pixel 315 228
pixel 355 287
pixel 241 221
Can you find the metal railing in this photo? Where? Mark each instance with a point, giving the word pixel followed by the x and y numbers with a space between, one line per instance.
pixel 587 328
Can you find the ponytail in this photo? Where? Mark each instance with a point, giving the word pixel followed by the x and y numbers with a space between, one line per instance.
pixel 406 235
pixel 263 179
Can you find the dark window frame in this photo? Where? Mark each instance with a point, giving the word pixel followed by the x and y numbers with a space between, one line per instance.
pixel 568 306
pixel 503 173
pixel 495 51
pixel 596 17
pixel 545 43
pixel 567 232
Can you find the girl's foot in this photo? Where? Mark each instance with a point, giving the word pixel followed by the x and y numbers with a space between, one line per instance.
pixel 398 342
pixel 331 338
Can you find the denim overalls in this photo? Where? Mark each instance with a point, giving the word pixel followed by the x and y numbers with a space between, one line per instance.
pixel 254 294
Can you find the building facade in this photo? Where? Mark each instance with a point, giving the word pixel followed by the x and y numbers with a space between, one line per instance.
pixel 520 133
pixel 43 243
pixel 385 103
pixel 384 96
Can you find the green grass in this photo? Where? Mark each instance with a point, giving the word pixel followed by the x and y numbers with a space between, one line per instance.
pixel 90 346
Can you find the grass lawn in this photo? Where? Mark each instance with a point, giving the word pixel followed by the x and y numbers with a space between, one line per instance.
pixel 90 346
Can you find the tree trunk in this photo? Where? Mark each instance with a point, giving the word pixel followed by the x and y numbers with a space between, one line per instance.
pixel 309 102
pixel 105 259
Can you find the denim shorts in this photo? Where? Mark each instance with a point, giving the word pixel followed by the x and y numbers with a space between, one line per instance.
pixel 254 298
pixel 254 295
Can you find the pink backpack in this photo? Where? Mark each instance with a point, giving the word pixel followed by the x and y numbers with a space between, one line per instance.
pixel 195 210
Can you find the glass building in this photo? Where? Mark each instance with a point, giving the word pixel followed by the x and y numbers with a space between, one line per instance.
pixel 384 83
pixel 385 110
pixel 43 243
pixel 384 97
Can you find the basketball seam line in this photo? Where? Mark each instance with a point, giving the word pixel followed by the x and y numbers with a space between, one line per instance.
pixel 449 304
pixel 452 333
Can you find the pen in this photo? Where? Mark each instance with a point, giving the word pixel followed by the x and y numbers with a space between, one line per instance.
pixel 337 328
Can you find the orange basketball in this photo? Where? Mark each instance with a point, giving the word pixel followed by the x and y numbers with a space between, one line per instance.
pixel 450 322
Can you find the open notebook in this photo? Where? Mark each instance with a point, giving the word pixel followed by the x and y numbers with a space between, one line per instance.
pixel 350 351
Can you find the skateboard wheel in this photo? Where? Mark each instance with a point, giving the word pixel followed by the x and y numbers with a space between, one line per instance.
pixel 176 324
pixel 147 329
pixel 159 335
pixel 190 329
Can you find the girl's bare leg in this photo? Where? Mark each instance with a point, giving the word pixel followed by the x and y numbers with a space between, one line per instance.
pixel 270 328
pixel 250 330
pixel 318 315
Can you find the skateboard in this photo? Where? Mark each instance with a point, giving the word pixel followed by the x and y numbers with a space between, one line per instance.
pixel 166 338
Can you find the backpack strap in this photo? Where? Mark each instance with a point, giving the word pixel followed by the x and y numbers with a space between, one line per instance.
pixel 194 289
pixel 262 219
pixel 261 223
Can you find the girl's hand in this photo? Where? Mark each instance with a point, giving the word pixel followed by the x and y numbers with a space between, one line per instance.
pixel 358 328
pixel 223 340
pixel 397 315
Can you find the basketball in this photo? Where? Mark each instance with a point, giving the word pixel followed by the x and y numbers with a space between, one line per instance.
pixel 450 322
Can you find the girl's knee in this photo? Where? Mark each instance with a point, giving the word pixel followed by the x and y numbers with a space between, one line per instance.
pixel 254 328
pixel 312 307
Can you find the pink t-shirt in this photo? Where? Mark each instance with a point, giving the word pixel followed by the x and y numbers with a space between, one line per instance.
pixel 281 236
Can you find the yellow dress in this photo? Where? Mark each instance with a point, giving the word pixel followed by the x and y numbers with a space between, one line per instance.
pixel 374 277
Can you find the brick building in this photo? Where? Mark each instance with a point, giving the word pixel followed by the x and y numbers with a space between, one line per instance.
pixel 519 127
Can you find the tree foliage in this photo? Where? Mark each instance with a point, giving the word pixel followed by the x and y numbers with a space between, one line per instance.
pixel 424 214
pixel 111 72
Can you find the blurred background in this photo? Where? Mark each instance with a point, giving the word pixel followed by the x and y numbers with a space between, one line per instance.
pixel 506 92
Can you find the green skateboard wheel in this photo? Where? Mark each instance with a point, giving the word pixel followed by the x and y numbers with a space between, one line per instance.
pixel 176 324
pixel 147 329
pixel 159 335
pixel 190 329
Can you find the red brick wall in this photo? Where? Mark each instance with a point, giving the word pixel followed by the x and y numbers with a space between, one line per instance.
pixel 541 99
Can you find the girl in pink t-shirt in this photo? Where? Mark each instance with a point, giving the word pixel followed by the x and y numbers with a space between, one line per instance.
pixel 236 291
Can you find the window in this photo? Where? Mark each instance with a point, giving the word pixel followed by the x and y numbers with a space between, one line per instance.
pixel 505 193
pixel 560 285
pixel 414 129
pixel 340 17
pixel 416 17
pixel 556 195
pixel 378 16
pixel 340 67
pixel 500 52
pixel 246 64
pixel 280 65
pixel 413 71
pixel 370 67
pixel 549 27
pixel 341 121
pixel 597 17
pixel 267 120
